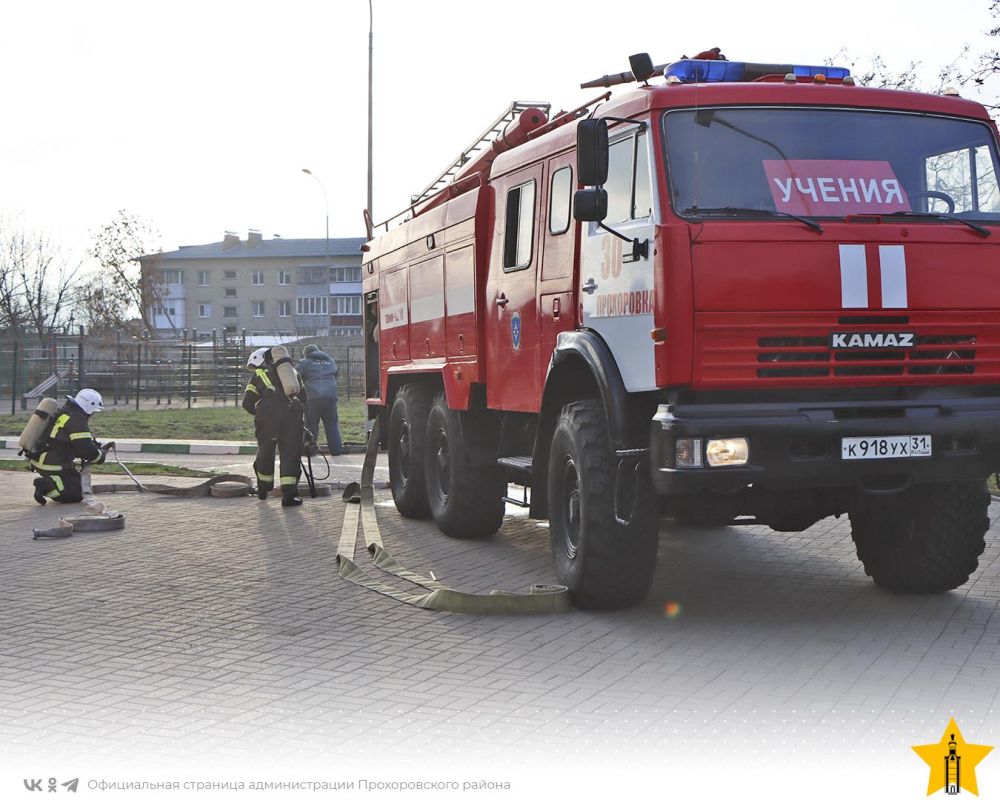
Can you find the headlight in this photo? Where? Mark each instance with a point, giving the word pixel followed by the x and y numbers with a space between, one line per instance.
pixel 727 452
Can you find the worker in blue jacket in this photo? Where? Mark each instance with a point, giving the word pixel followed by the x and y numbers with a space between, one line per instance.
pixel 319 374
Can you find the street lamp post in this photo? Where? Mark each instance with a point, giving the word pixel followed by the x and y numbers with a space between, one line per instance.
pixel 326 204
pixel 370 25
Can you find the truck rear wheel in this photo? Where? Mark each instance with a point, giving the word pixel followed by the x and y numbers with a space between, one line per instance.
pixel 407 433
pixel 606 562
pixel 464 488
pixel 926 541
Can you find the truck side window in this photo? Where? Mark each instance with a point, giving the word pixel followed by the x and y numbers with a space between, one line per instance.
pixel 642 205
pixel 628 179
pixel 560 196
pixel 520 225
pixel 619 185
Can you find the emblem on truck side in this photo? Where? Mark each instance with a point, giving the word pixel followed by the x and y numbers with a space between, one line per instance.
pixel 515 330
pixel 870 341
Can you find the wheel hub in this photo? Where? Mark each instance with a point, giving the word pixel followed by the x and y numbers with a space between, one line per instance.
pixel 404 450
pixel 443 464
pixel 571 507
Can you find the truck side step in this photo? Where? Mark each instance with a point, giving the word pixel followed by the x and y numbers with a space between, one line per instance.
pixel 518 463
pixel 519 470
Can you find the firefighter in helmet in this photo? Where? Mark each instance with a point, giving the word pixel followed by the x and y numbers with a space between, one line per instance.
pixel 277 411
pixel 68 439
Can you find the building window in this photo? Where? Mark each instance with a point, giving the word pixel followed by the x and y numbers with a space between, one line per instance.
pixel 345 274
pixel 258 308
pixel 257 277
pixel 284 308
pixel 311 305
pixel 161 310
pixel 229 274
pixel 204 278
pixel 520 224
pixel 284 277
pixel 231 291
pixel 560 197
pixel 229 311
pixel 204 310
pixel 313 275
pixel 346 305
pixel 172 277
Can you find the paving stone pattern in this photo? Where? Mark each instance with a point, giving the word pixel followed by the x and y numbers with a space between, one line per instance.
pixel 221 627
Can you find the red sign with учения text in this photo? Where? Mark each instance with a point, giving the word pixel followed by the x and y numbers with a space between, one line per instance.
pixel 835 188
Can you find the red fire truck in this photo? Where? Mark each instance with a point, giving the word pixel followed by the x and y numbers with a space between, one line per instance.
pixel 732 291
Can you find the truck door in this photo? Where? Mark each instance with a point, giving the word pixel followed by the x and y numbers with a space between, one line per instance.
pixel 617 290
pixel 556 308
pixel 512 333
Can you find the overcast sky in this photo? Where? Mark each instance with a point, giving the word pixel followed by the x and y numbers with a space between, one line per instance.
pixel 199 116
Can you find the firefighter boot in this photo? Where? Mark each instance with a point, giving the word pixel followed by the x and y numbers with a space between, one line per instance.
pixel 40 491
pixel 289 501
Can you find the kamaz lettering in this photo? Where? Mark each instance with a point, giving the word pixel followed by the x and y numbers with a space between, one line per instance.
pixel 872 340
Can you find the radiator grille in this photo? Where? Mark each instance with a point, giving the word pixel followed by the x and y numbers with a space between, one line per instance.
pixel 812 357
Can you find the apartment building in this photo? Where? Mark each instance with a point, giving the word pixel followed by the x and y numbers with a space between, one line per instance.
pixel 307 287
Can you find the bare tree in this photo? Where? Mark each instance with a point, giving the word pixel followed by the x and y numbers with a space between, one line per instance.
pixel 120 289
pixel 35 281
pixel 968 70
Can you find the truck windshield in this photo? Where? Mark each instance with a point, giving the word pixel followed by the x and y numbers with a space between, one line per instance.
pixel 732 162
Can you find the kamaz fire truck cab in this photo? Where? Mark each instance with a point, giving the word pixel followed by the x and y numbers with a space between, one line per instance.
pixel 774 297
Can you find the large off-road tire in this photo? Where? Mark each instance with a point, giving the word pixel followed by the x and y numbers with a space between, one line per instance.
pixel 407 433
pixel 925 541
pixel 604 562
pixel 464 489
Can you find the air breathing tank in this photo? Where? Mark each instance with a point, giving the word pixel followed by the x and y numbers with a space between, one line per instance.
pixel 287 375
pixel 37 423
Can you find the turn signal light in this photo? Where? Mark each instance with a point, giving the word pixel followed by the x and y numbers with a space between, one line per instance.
pixel 687 453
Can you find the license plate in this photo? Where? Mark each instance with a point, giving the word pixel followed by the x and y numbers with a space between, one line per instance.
pixel 865 447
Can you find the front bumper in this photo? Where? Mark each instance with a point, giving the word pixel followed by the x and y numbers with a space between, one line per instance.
pixel 798 444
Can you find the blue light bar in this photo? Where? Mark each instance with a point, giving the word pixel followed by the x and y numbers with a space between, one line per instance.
pixel 704 71
pixel 830 73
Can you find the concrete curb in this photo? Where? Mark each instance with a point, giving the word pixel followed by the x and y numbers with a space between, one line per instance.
pixel 182 448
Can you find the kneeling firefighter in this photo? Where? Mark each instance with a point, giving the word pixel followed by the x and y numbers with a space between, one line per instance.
pixel 64 437
pixel 275 396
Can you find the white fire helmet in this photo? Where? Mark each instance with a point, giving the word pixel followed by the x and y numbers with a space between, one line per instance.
pixel 256 359
pixel 89 400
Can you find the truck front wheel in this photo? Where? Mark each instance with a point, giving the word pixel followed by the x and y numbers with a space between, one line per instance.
pixel 464 489
pixel 407 434
pixel 924 541
pixel 606 559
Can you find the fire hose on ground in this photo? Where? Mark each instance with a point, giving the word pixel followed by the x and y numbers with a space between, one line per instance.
pixel 100 519
pixel 360 507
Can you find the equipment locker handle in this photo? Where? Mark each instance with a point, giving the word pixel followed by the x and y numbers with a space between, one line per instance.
pixel 590 286
pixel 502 300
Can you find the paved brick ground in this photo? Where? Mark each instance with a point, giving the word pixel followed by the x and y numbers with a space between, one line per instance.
pixel 221 627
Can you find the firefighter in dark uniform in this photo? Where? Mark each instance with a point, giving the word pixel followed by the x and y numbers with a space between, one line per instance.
pixel 68 439
pixel 277 421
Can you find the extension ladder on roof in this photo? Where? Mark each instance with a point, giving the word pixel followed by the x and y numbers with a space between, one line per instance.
pixel 484 140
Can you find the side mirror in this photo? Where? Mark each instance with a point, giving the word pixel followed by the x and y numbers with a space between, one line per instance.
pixel 590 205
pixel 592 152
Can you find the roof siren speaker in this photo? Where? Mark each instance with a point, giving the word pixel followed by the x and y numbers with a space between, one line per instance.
pixel 642 66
